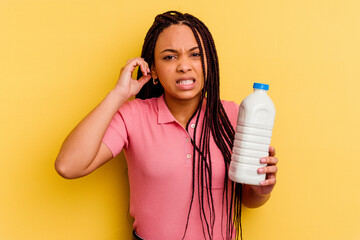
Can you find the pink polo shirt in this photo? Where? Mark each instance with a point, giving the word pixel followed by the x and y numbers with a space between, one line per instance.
pixel 159 152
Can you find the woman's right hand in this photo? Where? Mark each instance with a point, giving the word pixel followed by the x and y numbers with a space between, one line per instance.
pixel 83 150
pixel 128 87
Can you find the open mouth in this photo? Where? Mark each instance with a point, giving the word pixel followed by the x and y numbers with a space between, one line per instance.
pixel 185 82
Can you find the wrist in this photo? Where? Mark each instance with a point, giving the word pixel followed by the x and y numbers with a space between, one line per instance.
pixel 122 92
pixel 118 97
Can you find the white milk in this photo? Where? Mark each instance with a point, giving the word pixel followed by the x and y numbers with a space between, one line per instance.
pixel 253 136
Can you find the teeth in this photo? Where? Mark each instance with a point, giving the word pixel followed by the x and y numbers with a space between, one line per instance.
pixel 186 82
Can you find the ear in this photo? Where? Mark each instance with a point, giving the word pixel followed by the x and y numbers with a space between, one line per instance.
pixel 153 72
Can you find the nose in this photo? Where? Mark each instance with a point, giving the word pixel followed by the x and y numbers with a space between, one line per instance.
pixel 183 65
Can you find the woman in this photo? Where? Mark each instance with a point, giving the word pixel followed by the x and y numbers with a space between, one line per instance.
pixel 177 137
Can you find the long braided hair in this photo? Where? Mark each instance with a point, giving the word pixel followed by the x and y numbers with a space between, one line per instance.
pixel 216 123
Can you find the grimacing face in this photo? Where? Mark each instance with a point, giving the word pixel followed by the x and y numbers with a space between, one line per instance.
pixel 177 63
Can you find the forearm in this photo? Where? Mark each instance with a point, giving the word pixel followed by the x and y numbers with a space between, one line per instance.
pixel 82 144
pixel 251 199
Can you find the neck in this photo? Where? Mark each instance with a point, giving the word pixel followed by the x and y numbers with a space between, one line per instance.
pixel 182 110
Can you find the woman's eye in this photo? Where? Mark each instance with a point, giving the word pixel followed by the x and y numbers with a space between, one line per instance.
pixel 170 57
pixel 195 54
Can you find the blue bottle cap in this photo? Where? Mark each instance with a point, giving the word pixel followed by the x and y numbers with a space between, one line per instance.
pixel 261 86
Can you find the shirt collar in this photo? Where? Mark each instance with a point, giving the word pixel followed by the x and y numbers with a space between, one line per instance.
pixel 164 114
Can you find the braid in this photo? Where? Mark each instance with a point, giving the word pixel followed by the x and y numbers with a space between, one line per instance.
pixel 216 124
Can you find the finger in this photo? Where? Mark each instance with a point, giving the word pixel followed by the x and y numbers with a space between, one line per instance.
pixel 132 59
pixel 268 182
pixel 272 151
pixel 269 160
pixel 133 63
pixel 144 68
pixel 268 169
pixel 270 175
pixel 144 79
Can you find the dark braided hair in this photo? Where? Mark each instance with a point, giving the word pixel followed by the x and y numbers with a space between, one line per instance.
pixel 215 124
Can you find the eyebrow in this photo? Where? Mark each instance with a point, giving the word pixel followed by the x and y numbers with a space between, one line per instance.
pixel 174 51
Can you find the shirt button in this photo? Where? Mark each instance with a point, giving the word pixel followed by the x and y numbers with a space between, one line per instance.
pixel 188 156
pixel 187 139
pixel 192 125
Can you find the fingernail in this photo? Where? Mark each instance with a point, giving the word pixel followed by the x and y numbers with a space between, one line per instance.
pixel 261 170
pixel 262 182
pixel 263 160
pixel 271 148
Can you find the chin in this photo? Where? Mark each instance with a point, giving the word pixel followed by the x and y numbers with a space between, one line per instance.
pixel 190 96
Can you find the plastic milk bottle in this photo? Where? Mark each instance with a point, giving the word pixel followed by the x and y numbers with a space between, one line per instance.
pixel 252 136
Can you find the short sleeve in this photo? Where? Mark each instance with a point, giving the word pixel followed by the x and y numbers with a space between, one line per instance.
pixel 116 135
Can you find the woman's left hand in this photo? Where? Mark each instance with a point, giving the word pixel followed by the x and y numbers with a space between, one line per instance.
pixel 270 170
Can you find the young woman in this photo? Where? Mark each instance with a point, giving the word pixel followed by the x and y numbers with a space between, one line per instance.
pixel 177 137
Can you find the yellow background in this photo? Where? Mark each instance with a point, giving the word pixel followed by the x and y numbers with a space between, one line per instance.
pixel 58 59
